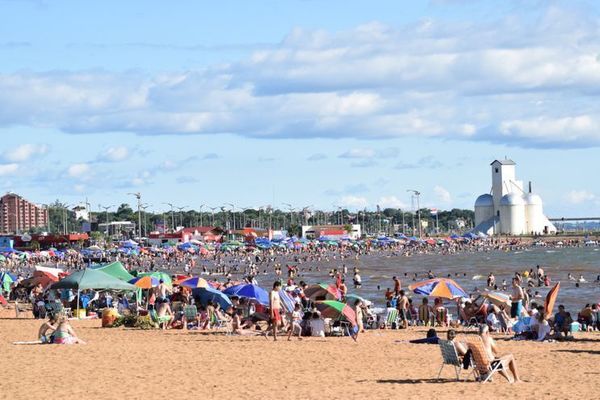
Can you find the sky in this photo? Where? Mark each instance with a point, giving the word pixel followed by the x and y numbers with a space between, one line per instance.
pixel 314 103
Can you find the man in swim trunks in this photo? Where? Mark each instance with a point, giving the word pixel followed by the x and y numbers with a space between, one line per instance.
pixel 403 312
pixel 516 299
pixel 275 308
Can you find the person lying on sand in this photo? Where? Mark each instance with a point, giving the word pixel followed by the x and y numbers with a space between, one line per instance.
pixel 431 338
pixel 64 333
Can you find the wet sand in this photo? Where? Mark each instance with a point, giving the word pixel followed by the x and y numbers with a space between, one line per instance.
pixel 126 363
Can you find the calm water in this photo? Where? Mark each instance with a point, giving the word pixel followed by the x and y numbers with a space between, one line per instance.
pixel 557 263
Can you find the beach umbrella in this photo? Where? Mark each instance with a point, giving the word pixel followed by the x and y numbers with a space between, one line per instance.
pixel 249 291
pixel 439 287
pixel 351 299
pixel 287 300
pixel 551 299
pixel 497 298
pixel 194 282
pixel 145 282
pixel 336 310
pixel 329 292
pixel 166 278
pixel 204 295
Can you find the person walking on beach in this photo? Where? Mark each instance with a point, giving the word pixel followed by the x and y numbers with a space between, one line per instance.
pixel 275 306
pixel 403 312
pixel 516 299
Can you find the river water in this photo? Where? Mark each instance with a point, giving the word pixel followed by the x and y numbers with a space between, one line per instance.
pixel 378 269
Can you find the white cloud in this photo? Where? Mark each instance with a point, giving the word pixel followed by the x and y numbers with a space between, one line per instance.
pixel 8 169
pixel 360 153
pixel 25 152
pixel 580 196
pixel 80 170
pixel 442 194
pixel 391 202
pixel 502 80
pixel 353 202
pixel 114 154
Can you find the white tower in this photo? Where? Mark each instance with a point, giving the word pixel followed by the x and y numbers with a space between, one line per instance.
pixel 504 180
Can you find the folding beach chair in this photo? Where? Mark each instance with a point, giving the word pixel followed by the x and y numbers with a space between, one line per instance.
pixel 219 323
pixel 54 308
pixel 483 366
pixel 392 319
pixel 450 357
pixel 160 321
pixel 190 314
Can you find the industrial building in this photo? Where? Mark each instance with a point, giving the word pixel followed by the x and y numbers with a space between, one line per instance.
pixel 508 208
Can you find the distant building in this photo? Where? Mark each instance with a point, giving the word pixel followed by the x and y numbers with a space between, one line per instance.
pixel 81 212
pixel 509 209
pixel 333 232
pixel 18 215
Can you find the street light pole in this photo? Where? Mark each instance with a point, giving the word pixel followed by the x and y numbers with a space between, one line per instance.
pixel 200 208
pixel 172 216
pixel 417 195
pixel 144 207
pixel 180 209
pixel 138 196
pixel 106 219
pixel 232 215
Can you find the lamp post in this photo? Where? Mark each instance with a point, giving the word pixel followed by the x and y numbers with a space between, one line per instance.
pixel 180 209
pixel 417 194
pixel 212 210
pixel 200 208
pixel 138 196
pixel 172 216
pixel 144 207
pixel 106 208
pixel 232 215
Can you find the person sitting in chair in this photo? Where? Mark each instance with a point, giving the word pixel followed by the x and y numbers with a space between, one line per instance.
pixel 491 349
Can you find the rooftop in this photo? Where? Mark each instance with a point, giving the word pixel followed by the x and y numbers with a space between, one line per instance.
pixel 506 161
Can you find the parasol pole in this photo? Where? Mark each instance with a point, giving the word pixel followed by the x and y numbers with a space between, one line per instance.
pixel 78 303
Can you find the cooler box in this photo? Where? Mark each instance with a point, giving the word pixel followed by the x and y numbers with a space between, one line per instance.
pixel 78 313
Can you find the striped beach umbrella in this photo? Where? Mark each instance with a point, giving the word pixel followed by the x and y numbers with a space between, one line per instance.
pixel 551 299
pixel 322 290
pixel 336 310
pixel 193 282
pixel 145 282
pixel 439 287
pixel 497 298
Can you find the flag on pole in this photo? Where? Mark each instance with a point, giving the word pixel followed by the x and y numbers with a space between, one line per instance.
pixel 433 211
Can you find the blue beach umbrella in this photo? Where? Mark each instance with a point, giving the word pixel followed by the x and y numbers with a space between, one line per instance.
pixel 204 295
pixel 249 291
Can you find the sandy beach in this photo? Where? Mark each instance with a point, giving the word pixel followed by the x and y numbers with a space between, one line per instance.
pixel 126 363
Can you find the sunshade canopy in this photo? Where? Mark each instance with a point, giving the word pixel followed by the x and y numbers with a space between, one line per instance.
pixel 92 279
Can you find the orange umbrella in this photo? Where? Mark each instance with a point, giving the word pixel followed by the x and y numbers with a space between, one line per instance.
pixel 551 299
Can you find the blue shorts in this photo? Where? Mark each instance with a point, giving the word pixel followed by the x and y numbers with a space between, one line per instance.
pixel 515 308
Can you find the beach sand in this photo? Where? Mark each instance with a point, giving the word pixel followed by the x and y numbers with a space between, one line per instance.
pixel 126 363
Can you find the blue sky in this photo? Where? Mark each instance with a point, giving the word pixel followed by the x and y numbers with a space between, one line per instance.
pixel 311 102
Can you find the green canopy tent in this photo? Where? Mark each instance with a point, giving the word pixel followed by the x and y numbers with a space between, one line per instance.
pixel 91 279
pixel 115 269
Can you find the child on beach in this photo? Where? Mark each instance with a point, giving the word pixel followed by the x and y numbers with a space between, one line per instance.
pixel 296 319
